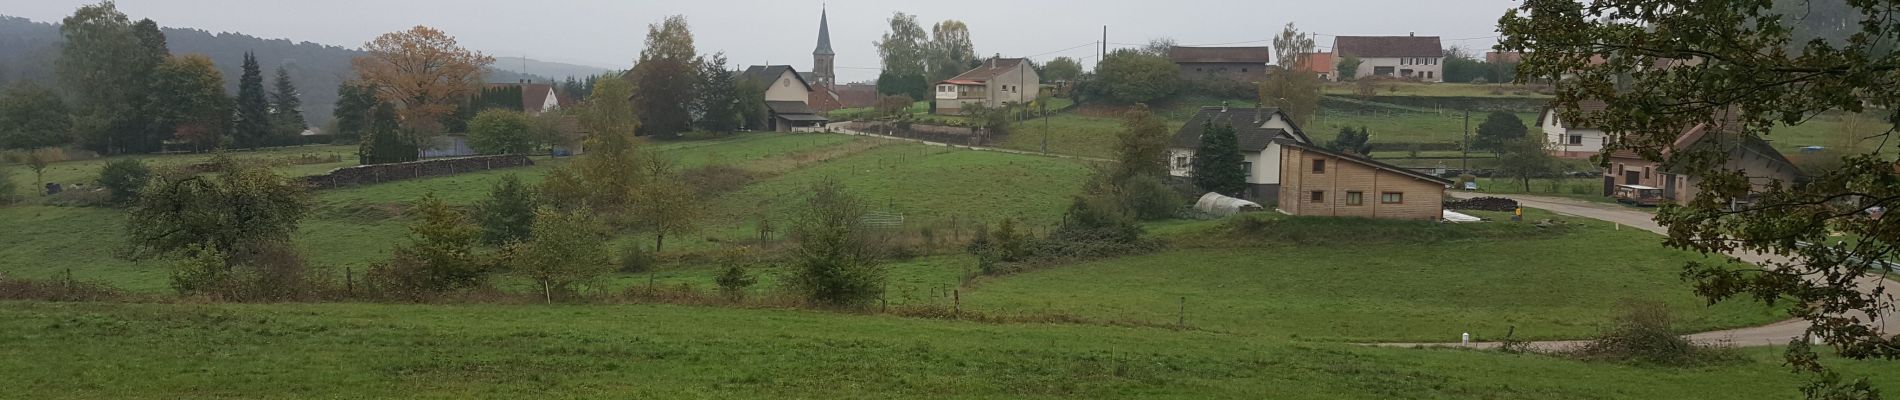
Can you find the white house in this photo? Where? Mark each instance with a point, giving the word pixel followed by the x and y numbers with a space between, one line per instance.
pixel 996 82
pixel 1411 57
pixel 536 98
pixel 1570 140
pixel 786 97
pixel 1258 131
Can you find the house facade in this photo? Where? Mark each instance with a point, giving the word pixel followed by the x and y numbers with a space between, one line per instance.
pixel 786 97
pixel 1407 57
pixel 996 82
pixel 1748 154
pixel 1320 182
pixel 1239 64
pixel 1572 140
pixel 1259 132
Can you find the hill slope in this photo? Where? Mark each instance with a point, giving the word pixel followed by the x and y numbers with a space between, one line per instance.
pixel 29 48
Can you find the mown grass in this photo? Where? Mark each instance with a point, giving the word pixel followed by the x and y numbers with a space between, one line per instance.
pixel 131 351
pixel 1067 133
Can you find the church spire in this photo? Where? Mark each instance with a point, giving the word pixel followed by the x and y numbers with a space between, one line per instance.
pixel 824 34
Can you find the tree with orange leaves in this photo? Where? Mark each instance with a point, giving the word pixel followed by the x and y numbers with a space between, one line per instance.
pixel 423 71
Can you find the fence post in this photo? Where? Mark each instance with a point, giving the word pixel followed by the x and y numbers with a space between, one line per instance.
pixel 957 300
pixel 349 281
pixel 1182 323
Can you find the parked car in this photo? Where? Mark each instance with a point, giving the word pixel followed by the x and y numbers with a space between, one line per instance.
pixel 1638 195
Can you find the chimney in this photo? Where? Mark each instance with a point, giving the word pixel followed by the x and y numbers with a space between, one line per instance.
pixel 1257 110
pixel 1411 34
pixel 992 62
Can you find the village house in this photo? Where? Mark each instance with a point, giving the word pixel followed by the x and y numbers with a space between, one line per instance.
pixel 1323 65
pixel 1572 140
pixel 1318 182
pixel 1258 131
pixel 1239 64
pixel 1409 57
pixel 536 98
pixel 786 94
pixel 1749 154
pixel 998 81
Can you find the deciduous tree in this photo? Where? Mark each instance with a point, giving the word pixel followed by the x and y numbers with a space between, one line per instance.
pixel 188 99
pixel 1498 128
pixel 1525 159
pixel 105 63
pixel 32 116
pixel 904 48
pixel 1663 66
pixel 1129 76
pixel 498 131
pixel 1292 89
pixel 836 260
pixel 1349 68
pixel 567 249
pixel 666 204
pixel 1355 141
pixel 665 78
pixel 238 212
pixel 1062 69
pixel 1141 148
pixel 424 72
pixel 950 51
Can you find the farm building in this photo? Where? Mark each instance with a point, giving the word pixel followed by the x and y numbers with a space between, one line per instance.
pixel 1321 182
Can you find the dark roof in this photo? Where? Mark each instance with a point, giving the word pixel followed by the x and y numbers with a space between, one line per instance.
pixel 533 95
pixel 1388 46
pixel 1251 135
pixel 1585 106
pixel 990 69
pixel 1256 55
pixel 788 107
pixel 824 35
pixel 766 74
pixel 1362 160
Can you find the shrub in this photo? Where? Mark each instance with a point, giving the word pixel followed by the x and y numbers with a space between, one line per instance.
pixel 734 280
pixel 1150 199
pixel 124 178
pixel 9 191
pixel 634 259
pixel 1643 335
pixel 566 250
pixel 439 257
pixel 507 216
pixel 497 131
pixel 836 260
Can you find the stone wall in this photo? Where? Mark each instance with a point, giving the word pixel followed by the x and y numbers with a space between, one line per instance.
pixel 379 173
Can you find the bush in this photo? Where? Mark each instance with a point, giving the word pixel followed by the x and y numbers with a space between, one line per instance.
pixel 274 272
pixel 498 131
pixel 59 288
pixel 1150 199
pixel 439 257
pixel 1643 335
pixel 634 259
pixel 124 178
pixel 9 191
pixel 734 280
pixel 507 216
pixel 836 260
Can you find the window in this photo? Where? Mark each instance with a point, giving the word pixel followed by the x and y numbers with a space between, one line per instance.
pixel 1319 196
pixel 1574 139
pixel 1197 69
pixel 1247 166
pixel 1392 198
pixel 787 82
pixel 1355 198
pixel 1319 166
pixel 1243 70
pixel 1645 172
pixel 1181 162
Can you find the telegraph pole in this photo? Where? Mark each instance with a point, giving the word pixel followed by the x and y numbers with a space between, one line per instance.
pixel 1464 160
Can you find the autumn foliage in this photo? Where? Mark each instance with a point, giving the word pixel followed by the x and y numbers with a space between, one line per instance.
pixel 424 71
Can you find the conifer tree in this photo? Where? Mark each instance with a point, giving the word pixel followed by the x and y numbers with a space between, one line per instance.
pixel 253 126
pixel 1218 164
pixel 285 106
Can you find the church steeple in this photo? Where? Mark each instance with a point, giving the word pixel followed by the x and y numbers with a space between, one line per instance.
pixel 821 58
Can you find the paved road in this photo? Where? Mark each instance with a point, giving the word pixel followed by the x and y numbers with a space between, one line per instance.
pixel 1772 334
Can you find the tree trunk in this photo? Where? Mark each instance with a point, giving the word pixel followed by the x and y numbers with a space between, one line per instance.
pixel 547 291
pixel 659 239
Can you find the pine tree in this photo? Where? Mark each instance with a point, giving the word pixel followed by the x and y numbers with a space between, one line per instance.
pixel 718 96
pixel 507 216
pixel 354 102
pixel 253 110
pixel 1218 164
pixel 286 107
pixel 385 142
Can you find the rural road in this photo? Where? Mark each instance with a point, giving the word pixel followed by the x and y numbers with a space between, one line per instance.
pixel 1778 333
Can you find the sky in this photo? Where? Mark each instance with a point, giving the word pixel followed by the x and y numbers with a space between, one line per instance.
pixel 610 33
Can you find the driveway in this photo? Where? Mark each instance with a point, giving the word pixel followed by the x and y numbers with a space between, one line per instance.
pixel 1778 333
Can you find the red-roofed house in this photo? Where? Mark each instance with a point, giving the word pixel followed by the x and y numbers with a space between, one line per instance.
pixel 998 81
pixel 536 98
pixel 1322 64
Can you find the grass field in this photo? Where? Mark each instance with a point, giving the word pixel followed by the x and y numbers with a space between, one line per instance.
pixel 351 227
pixel 1068 133
pixel 1397 88
pixel 131 351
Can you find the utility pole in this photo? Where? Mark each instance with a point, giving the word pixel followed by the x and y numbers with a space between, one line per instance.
pixel 1103 52
pixel 1464 160
pixel 1045 122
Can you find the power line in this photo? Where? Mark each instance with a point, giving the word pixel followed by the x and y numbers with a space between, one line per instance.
pixel 1087 44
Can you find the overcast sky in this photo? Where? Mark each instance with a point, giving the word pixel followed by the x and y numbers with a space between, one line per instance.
pixel 609 33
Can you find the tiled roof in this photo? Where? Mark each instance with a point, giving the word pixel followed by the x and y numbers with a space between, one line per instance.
pixel 766 74
pixel 1586 106
pixel 788 107
pixel 990 69
pixel 1251 135
pixel 1318 63
pixel 1388 46
pixel 1256 55
pixel 1362 160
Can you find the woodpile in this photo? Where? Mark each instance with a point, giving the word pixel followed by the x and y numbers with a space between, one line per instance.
pixel 1482 204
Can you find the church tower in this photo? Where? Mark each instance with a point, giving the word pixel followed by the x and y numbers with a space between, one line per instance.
pixel 821 58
